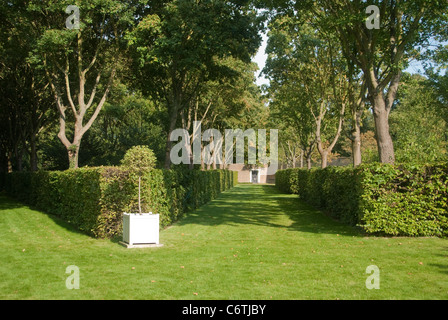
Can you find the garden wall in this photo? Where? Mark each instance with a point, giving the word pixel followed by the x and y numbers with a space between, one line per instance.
pixel 94 199
pixel 400 200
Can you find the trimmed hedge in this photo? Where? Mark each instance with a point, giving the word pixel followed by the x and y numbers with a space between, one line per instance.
pixel 400 200
pixel 94 199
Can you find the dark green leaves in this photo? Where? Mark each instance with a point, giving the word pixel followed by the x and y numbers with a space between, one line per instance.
pixel 405 200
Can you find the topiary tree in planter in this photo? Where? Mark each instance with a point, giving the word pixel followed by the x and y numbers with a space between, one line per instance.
pixel 141 228
pixel 137 160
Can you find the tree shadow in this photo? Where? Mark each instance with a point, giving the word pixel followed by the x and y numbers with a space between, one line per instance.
pixel 307 218
pixel 443 267
pixel 235 207
pixel 8 203
pixel 261 205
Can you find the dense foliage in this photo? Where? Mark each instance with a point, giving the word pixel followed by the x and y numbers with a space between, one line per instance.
pixel 400 200
pixel 94 199
pixel 131 73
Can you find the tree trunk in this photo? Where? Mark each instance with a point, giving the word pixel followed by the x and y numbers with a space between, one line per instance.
pixel 324 159
pixel 308 161
pixel 301 158
pixel 9 161
pixel 33 153
pixel 356 137
pixel 73 148
pixel 73 155
pixel 169 144
pixel 384 140
pixel 3 161
pixel 356 146
pixel 357 109
pixel 322 151
pixel 18 153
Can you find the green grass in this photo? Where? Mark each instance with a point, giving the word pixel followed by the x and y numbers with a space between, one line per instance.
pixel 251 243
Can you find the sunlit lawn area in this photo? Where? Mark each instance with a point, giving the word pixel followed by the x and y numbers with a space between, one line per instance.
pixel 253 242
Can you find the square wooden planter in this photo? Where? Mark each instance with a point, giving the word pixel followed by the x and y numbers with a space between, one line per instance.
pixel 139 229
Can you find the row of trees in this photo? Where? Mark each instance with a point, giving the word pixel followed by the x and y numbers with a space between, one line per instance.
pixel 330 67
pixel 135 70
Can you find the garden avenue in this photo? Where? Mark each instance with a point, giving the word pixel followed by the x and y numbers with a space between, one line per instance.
pixel 212 153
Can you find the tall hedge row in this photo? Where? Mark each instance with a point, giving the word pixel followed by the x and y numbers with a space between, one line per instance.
pixel 400 200
pixel 94 199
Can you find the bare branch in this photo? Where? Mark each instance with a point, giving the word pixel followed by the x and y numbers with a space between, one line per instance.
pixel 101 103
pixel 67 87
pixel 92 95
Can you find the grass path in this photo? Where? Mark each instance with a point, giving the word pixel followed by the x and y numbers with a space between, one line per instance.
pixel 253 242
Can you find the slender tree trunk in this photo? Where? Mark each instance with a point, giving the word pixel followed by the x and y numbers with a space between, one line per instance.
pixel 3 160
pixel 18 153
pixel 33 153
pixel 9 161
pixel 322 151
pixel 384 140
pixel 169 144
pixel 301 158
pixel 202 158
pixel 357 109
pixel 356 146
pixel 356 133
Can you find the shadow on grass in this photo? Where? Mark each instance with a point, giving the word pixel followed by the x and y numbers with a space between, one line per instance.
pixel 246 204
pixel 261 205
pixel 8 203
pixel 306 218
pixel 443 268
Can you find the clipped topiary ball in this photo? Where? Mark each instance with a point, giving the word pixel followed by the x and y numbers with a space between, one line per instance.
pixel 139 159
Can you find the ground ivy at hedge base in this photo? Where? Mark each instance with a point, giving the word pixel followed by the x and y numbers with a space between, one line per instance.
pixel 94 199
pixel 397 200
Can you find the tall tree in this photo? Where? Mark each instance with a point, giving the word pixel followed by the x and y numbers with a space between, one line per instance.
pixel 229 102
pixel 24 93
pixel 382 53
pixel 81 63
pixel 381 49
pixel 307 66
pixel 191 38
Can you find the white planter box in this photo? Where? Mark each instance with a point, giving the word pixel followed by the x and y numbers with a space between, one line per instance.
pixel 140 228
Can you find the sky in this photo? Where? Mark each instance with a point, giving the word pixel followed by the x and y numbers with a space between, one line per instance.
pixel 260 59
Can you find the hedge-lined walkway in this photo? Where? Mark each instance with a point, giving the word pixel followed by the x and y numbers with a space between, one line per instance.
pixel 252 242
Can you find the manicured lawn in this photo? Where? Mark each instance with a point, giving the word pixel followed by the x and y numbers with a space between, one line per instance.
pixel 251 243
